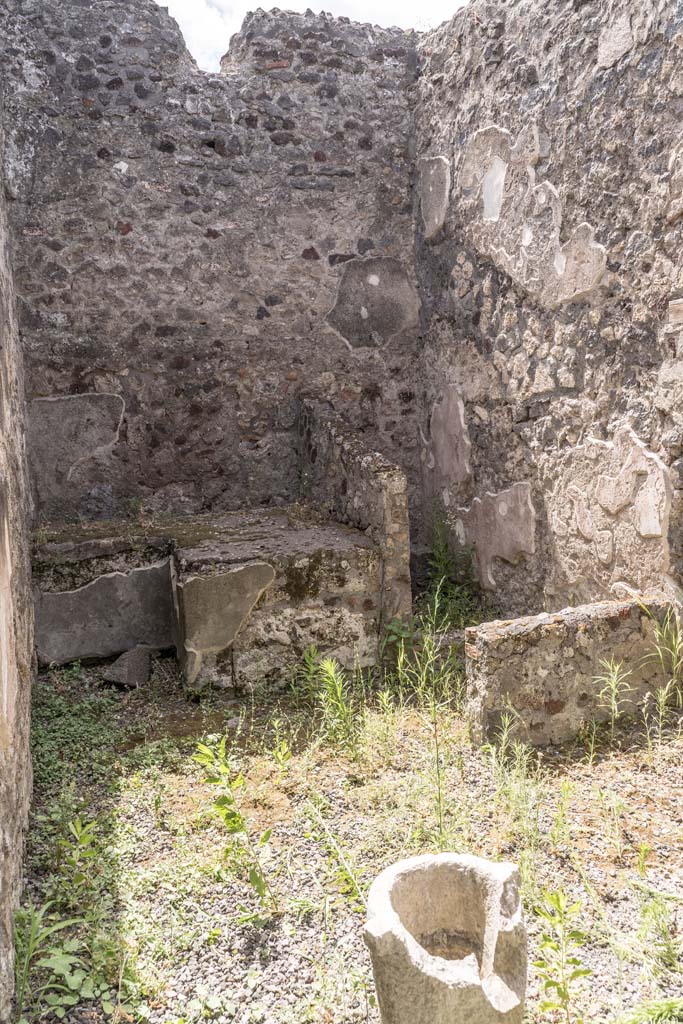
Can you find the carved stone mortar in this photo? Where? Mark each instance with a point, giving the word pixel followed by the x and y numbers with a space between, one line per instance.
pixel 447 941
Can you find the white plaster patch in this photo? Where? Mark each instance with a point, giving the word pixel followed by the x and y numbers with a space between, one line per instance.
pixel 373 279
pixel 676 312
pixel 517 221
pixel 608 516
pixel 615 41
pixel 121 167
pixel 493 185
pixel 499 525
pixel 364 313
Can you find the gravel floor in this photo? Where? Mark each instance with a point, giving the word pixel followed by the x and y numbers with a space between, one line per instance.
pixel 610 833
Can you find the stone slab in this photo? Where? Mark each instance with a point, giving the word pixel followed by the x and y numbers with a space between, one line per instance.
pixel 131 669
pixel 211 609
pixel 114 613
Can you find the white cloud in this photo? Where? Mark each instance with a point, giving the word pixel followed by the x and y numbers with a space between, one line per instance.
pixel 208 24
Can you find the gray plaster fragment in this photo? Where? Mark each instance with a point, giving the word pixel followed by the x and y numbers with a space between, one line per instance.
pixel 501 525
pixel 212 609
pixel 114 613
pixel 69 438
pixel 448 454
pixel 435 186
pixel 375 301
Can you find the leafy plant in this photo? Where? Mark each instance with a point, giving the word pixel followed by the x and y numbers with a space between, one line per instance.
pixel 35 932
pixel 282 753
pixel 668 650
pixel 660 703
pixel 438 775
pixel 519 782
pixel 613 807
pixel 560 832
pixel 219 772
pixel 453 599
pixel 396 631
pixel 69 736
pixel 304 681
pixel 335 699
pixel 657 932
pixel 429 669
pixel 67 673
pixel 77 856
pixel 588 736
pixel 644 852
pixel 559 966
pixel 326 686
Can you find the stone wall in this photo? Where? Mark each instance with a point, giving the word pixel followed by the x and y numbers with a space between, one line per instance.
pixel 195 251
pixel 544 670
pixel 549 220
pixel 465 244
pixel 359 487
pixel 16 618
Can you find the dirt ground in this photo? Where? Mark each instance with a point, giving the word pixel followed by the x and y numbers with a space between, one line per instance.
pixel 167 886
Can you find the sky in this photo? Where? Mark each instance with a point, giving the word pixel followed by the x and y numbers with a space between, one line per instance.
pixel 208 24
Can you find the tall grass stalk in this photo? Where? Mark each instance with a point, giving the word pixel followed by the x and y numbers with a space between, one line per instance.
pixel 614 691
pixel 668 651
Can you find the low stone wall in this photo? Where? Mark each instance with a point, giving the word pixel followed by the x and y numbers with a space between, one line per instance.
pixel 361 488
pixel 544 667
pixel 268 585
pixel 240 595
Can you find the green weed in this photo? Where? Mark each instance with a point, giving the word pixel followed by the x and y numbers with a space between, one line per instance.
pixel 667 1010
pixel 559 965
pixel 219 772
pixel 453 599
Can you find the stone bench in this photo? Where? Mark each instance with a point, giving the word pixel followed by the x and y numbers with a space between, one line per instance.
pixel 543 667
pixel 240 595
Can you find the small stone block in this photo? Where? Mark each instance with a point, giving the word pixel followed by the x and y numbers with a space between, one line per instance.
pixel 131 669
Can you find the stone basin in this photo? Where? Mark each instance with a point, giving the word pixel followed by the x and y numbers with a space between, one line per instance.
pixel 447 941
